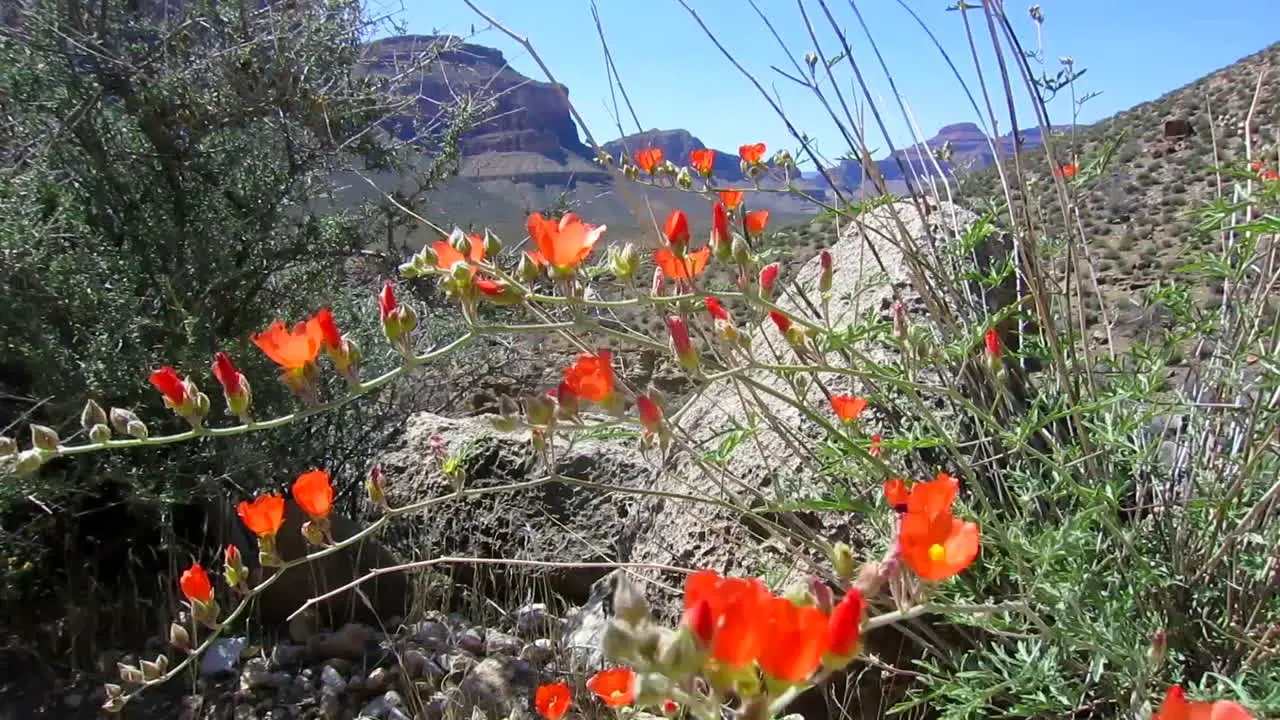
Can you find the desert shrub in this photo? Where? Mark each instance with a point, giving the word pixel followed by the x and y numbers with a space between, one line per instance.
pixel 168 190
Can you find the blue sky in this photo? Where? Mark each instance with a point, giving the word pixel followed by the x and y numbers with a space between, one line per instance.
pixel 1133 51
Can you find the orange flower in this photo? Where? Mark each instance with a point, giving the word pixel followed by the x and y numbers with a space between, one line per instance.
pixel 720 234
pixel 751 154
pixel 616 687
pixel 649 159
pixel 844 629
pixel 650 413
pixel 591 377
pixel 1068 170
pixel 1177 707
pixel 682 268
pixel 562 244
pixel 795 639
pixel 848 407
pixel 552 700
pixel 291 349
pixel 228 376
pixel 195 584
pixel 716 309
pixel 447 255
pixel 314 493
pixel 756 221
pixel 733 607
pixel 702 160
pixel 782 321
pixel 330 337
pixel 896 493
pixel 170 385
pixel 768 277
pixel 991 338
pixel 731 198
pixel 677 228
pixel 1269 176
pixel 934 543
pixel 263 516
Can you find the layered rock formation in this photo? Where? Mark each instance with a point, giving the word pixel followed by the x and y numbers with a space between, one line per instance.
pixel 529 121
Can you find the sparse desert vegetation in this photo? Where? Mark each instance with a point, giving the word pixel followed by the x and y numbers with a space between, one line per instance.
pixel 327 392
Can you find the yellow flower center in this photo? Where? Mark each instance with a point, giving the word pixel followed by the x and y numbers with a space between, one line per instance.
pixel 937 553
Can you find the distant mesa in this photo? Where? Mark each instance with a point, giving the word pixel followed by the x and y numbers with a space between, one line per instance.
pixel 676 146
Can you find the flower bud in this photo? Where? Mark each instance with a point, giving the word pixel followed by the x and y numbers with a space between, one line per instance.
pixel 650 410
pixel 768 276
pixel 659 286
pixel 498 292
pixel 842 561
pixel 528 270
pixel 684 178
pixel 126 423
pixel 411 269
pixel 199 404
pixel 91 415
pixel 99 434
pixel 994 350
pixel 629 603
pixel 821 593
pixel 377 492
pixel 1159 647
pixel 630 172
pixel 8 446
pixel 28 461
pixel 44 438
pixel 741 251
pixel 681 343
pixel 900 320
pixel 827 262
pixel 721 237
pixel 676 229
pixel 460 242
pixel 492 244
pixel 179 637
pixel 150 671
pixel 130 675
pixel 313 533
pixel 540 410
pixel 115 698
pixel 624 263
pixel 234 571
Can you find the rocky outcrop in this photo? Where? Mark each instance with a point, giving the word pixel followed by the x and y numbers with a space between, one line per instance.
pixel 585 516
pixel 525 116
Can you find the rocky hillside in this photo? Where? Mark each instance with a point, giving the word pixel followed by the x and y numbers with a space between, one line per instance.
pixel 1145 171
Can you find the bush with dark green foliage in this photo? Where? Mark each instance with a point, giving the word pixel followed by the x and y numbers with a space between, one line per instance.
pixel 168 190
